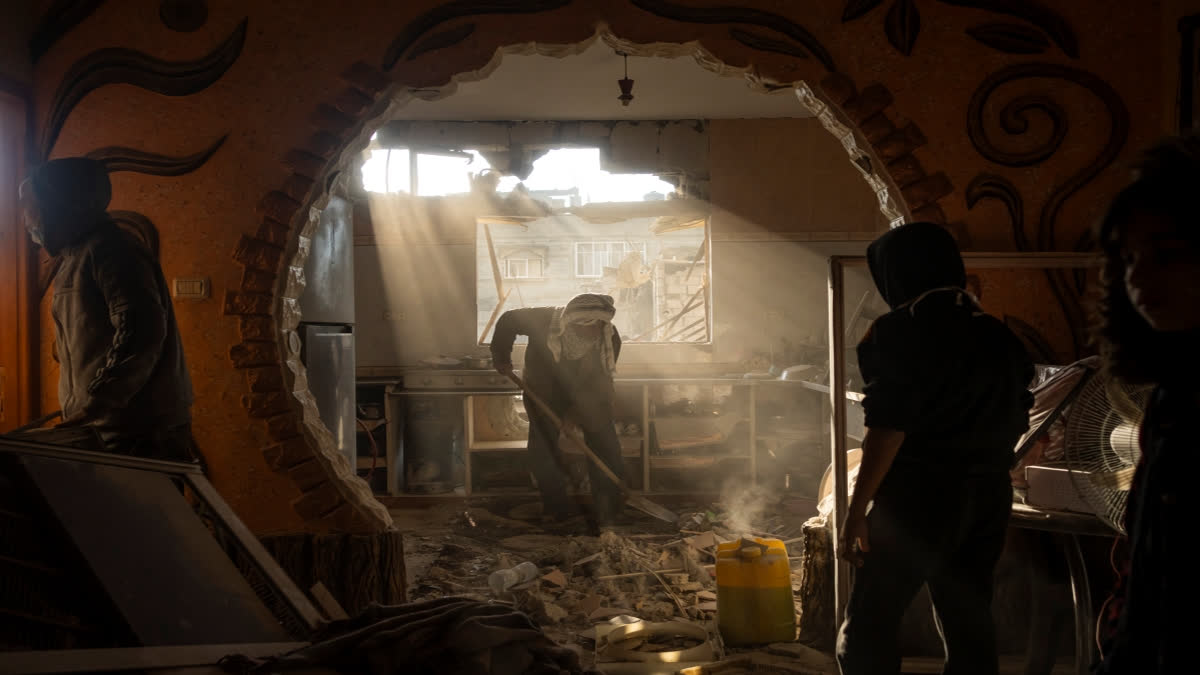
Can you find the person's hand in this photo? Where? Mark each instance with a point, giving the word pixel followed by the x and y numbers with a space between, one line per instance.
pixel 505 369
pixel 854 542
pixel 569 427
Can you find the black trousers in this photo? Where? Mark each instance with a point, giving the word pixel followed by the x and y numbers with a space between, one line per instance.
pixel 944 532
pixel 599 434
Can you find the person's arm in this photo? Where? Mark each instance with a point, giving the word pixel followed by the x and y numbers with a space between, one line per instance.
pixel 890 406
pixel 129 284
pixel 879 450
pixel 512 323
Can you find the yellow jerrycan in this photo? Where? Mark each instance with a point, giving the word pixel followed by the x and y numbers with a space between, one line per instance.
pixel 754 593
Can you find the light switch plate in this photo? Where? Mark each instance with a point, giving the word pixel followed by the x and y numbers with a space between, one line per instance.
pixel 190 288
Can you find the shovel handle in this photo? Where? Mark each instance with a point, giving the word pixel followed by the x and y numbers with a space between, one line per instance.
pixel 38 423
pixel 574 441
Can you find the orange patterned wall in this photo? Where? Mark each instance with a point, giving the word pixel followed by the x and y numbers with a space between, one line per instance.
pixel 285 89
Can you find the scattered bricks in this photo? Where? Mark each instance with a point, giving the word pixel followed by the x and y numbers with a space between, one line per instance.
pixel 257 281
pixel 906 170
pixel 265 404
pixel 308 475
pixel 900 143
pixel 304 163
pixel 329 118
pixel 258 254
pixel 258 328
pixel 254 354
pixel 876 128
pixel 278 206
pixel 838 88
pixel 287 454
pixel 927 190
pixel 322 144
pixel 352 102
pixel 264 379
pixel 870 101
pixel 297 187
pixel 318 502
pixel 930 213
pixel 283 427
pixel 366 77
pixel 274 232
pixel 258 304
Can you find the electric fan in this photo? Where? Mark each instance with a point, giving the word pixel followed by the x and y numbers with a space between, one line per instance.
pixel 1100 445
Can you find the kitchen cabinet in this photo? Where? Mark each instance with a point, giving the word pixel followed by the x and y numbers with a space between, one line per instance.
pixel 678 435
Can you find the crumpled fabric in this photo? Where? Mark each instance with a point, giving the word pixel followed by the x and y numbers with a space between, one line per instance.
pixel 448 635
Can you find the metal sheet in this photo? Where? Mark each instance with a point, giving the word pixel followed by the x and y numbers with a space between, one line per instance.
pixel 162 569
pixel 328 295
pixel 329 360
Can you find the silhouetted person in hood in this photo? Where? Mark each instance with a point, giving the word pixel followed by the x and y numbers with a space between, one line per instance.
pixel 946 399
pixel 121 365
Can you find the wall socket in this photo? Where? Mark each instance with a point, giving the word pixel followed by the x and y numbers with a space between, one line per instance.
pixel 190 288
pixel 773 316
pixel 389 315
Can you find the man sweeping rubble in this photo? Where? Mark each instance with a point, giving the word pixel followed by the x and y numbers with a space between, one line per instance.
pixel 121 365
pixel 569 365
pixel 946 399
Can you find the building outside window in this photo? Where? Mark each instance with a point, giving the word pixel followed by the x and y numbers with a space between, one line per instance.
pixel 591 257
pixel 523 268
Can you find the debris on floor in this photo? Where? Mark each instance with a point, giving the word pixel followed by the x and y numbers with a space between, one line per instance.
pixel 658 579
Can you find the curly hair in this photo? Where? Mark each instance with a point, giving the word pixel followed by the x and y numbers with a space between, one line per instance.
pixel 1165 180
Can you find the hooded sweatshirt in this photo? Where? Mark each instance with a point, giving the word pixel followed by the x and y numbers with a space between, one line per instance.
pixel 936 367
pixel 121 360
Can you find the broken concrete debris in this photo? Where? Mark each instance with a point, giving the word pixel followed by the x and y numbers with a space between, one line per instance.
pixel 583 582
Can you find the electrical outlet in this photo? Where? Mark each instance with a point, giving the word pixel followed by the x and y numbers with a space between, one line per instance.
pixel 389 315
pixel 773 316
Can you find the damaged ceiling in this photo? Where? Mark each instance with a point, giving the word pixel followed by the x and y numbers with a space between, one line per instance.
pixel 584 87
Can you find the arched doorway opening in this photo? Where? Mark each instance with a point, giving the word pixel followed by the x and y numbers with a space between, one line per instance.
pixel 878 151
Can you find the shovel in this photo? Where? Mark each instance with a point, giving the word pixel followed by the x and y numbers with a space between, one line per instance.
pixel 636 501
pixel 38 423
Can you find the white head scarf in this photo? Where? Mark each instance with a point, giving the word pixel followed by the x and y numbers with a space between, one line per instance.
pixel 585 307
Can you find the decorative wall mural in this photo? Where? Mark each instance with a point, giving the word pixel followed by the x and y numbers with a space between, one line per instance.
pixel 183 16
pixel 456 10
pixel 127 66
pixel 1042 25
pixel 799 35
pixel 117 158
pixel 1014 120
pixel 58 20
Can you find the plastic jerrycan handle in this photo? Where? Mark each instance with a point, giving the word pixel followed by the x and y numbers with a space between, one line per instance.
pixel 749 550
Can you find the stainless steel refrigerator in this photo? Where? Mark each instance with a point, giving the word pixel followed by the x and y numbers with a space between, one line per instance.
pixel 327 323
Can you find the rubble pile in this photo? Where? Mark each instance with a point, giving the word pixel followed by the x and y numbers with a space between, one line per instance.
pixel 584 582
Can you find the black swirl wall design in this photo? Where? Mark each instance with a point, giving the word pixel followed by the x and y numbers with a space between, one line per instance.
pixel 1042 25
pixel 118 158
pixel 1014 121
pixel 126 66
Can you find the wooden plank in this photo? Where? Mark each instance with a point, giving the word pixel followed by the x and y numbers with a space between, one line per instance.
pixel 495 315
pixel 133 658
pixel 487 233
